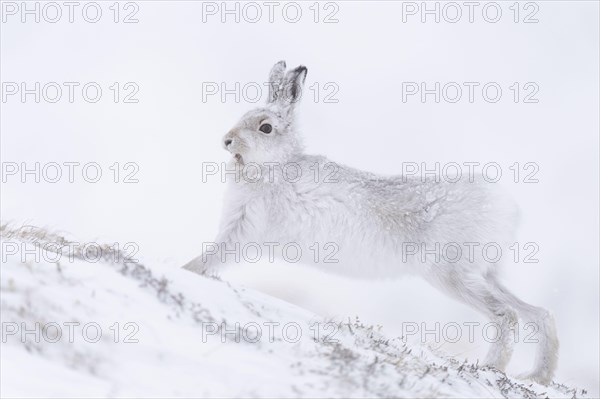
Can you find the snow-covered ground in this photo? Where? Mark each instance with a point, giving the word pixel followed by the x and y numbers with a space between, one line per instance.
pixel 166 332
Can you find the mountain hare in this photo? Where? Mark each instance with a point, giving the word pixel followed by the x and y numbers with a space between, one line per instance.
pixel 369 226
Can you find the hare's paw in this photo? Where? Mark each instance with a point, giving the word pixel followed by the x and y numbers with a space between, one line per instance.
pixel 195 265
pixel 201 265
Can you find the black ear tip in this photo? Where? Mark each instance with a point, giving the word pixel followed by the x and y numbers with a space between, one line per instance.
pixel 302 70
pixel 282 63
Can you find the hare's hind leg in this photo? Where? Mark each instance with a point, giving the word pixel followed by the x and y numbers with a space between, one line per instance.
pixel 547 352
pixel 501 348
pixel 475 291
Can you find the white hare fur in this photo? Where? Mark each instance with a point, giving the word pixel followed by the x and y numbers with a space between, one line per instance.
pixel 370 218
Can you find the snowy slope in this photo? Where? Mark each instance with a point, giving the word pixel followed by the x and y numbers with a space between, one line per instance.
pixel 172 347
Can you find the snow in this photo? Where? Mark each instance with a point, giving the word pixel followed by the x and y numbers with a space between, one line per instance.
pixel 176 351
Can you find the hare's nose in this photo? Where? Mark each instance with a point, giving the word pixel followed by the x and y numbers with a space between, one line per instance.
pixel 228 142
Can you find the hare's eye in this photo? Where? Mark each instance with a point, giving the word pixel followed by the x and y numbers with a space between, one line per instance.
pixel 266 128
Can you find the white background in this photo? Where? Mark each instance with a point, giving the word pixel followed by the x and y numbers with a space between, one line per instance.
pixel 171 52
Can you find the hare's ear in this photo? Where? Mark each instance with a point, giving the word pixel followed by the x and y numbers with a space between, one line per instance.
pixel 276 81
pixel 292 87
pixel 293 84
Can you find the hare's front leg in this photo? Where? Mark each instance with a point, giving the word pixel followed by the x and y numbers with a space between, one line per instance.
pixel 203 264
pixel 234 230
